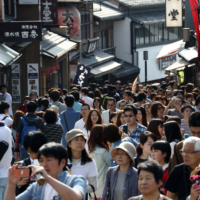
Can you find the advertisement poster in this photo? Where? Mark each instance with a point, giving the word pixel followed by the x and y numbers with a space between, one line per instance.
pixel 33 77
pixel 16 87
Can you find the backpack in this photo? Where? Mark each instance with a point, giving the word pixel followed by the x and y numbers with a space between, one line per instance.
pixel 28 126
pixel 105 102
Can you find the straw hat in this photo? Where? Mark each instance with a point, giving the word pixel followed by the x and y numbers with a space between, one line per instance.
pixel 127 147
pixel 55 108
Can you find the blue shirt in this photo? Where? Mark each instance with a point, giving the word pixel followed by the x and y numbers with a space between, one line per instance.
pixel 116 144
pixel 71 117
pixel 77 106
pixel 136 133
pixel 36 192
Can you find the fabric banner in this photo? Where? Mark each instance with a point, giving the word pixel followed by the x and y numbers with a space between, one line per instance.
pixel 82 75
pixel 134 85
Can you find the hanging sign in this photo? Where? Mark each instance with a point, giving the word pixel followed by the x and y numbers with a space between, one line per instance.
pixel 28 2
pixel 174 15
pixel 82 75
pixel 166 62
pixel 33 77
pixel 49 14
pixel 92 45
pixel 16 87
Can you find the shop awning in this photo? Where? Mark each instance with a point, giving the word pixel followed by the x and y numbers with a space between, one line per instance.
pixel 99 57
pixel 7 55
pixel 190 54
pixel 103 12
pixel 149 17
pixel 125 70
pixel 105 68
pixel 141 3
pixel 170 50
pixel 54 45
pixel 178 64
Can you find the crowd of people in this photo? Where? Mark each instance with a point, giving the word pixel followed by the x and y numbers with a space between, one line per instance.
pixel 102 143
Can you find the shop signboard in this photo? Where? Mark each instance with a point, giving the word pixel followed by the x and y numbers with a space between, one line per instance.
pixel 33 77
pixel 49 11
pixel 166 62
pixel 16 86
pixel 21 31
pixel 174 15
pixel 92 45
pixel 28 2
pixel 82 75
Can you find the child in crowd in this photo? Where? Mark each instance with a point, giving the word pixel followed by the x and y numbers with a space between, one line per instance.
pixel 161 152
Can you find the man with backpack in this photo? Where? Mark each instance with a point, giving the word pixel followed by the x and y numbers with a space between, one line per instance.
pixel 28 123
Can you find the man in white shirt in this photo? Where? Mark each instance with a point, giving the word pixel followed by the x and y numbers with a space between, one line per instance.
pixel 7 97
pixel 85 108
pixel 111 108
pixel 5 162
pixel 84 94
pixel 4 109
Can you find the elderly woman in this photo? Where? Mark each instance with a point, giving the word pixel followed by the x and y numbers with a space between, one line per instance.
pixel 150 175
pixel 179 179
pixel 121 181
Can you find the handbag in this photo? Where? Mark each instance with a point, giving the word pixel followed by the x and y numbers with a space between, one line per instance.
pixel 3 148
pixel 90 194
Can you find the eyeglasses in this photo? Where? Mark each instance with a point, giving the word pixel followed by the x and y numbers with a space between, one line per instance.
pixel 121 154
pixel 186 152
pixel 128 116
pixel 160 108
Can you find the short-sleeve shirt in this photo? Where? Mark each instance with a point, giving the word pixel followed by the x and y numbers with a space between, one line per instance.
pixel 185 127
pixel 179 181
pixel 173 112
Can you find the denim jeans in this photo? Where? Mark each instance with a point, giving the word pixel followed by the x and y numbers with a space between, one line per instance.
pixel 3 186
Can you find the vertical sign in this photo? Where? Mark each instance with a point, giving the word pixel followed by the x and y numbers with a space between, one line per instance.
pixel 16 87
pixel 49 11
pixel 174 15
pixel 82 75
pixel 2 14
pixel 33 77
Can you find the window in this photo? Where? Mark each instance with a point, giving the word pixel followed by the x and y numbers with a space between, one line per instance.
pixel 85 26
pixel 155 33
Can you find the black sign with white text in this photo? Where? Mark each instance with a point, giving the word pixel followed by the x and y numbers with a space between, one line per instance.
pixel 21 31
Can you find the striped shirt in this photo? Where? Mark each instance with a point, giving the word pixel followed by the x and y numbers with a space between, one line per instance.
pixel 53 132
pixel 185 127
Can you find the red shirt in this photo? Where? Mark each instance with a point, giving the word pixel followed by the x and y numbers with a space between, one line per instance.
pixel 23 108
pixel 164 179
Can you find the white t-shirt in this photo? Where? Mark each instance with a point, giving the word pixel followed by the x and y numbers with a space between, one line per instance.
pixel 5 135
pixel 87 170
pixel 88 100
pixel 50 193
pixel 8 121
pixel 87 134
pixel 79 124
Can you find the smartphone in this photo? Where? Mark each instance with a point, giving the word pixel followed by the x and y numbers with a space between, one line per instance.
pixel 125 129
pixel 22 172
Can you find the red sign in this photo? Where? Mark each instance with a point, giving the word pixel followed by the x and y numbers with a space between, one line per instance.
pixel 52 69
pixel 69 16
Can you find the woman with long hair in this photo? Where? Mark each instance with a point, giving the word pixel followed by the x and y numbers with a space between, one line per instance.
pixel 144 149
pixel 156 127
pixel 97 104
pixel 18 114
pixel 99 150
pixel 120 118
pixel 97 93
pixel 172 133
pixel 147 107
pixel 94 117
pixel 141 116
pixel 157 111
pixel 113 118
pixel 82 163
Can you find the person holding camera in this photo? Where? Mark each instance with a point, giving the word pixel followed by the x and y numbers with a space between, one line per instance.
pixel 59 184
